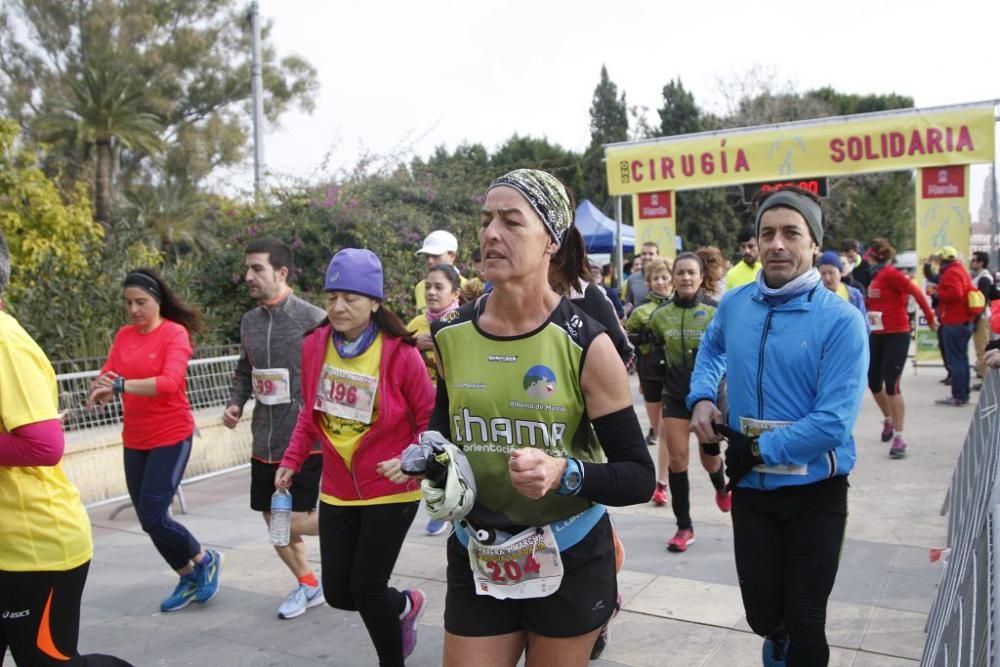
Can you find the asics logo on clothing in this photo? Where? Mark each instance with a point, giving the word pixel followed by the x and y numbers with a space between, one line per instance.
pixel 11 615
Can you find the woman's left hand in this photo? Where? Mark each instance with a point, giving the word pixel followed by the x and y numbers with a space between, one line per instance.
pixel 534 473
pixel 425 343
pixel 391 470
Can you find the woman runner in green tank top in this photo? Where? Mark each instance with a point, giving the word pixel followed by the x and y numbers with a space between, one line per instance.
pixel 525 379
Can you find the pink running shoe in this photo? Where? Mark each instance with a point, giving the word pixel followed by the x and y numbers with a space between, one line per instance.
pixel 887 431
pixel 682 539
pixel 724 499
pixel 898 449
pixel 660 495
pixel 408 624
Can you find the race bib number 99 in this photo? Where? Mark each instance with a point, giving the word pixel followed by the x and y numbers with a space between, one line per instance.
pixel 271 386
pixel 528 565
pixel 346 395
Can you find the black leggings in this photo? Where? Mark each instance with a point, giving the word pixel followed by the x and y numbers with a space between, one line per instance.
pixel 787 543
pixel 888 356
pixel 358 548
pixel 40 619
pixel 152 477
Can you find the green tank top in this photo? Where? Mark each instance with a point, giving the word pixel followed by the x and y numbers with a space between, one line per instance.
pixel 512 392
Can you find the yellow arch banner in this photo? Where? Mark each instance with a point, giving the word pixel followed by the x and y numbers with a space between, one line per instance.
pixel 885 141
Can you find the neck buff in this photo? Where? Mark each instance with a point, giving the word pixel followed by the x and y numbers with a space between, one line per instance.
pixel 435 315
pixel 545 194
pixel 794 287
pixel 348 349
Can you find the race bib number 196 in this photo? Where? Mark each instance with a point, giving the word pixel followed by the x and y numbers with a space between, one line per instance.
pixel 346 395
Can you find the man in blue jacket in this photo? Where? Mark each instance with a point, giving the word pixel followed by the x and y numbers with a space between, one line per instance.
pixel 795 356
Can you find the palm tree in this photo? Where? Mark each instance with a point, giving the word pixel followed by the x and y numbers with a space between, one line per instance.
pixel 174 216
pixel 105 110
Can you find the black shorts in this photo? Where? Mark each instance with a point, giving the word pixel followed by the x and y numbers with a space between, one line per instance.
pixel 675 408
pixel 652 392
pixel 584 601
pixel 305 484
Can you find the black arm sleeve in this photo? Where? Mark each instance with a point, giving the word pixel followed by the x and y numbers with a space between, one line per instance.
pixel 439 415
pixel 628 478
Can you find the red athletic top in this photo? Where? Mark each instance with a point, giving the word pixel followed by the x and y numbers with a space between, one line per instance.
pixel 888 294
pixel 163 353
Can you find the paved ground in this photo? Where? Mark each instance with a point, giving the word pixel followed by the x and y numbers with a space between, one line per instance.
pixel 679 609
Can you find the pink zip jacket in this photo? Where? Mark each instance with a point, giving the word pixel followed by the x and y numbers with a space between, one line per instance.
pixel 405 400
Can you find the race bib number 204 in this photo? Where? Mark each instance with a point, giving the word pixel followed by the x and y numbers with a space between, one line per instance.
pixel 528 565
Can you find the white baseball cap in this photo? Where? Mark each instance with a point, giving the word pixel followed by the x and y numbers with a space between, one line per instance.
pixel 439 242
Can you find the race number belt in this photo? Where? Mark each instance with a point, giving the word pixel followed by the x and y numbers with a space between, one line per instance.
pixel 271 386
pixel 875 320
pixel 345 394
pixel 753 428
pixel 527 565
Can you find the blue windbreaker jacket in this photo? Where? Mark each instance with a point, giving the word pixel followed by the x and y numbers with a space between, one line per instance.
pixel 803 361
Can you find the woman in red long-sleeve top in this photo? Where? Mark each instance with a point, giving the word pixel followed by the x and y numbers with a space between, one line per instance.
pixel 889 341
pixel 147 367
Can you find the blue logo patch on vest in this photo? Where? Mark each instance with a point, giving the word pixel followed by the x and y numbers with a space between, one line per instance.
pixel 539 382
pixel 700 313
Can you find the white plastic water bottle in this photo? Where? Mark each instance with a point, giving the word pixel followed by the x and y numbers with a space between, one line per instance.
pixel 281 518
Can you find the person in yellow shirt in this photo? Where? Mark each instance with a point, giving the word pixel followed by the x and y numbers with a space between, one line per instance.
pixel 440 247
pixel 45 541
pixel 442 289
pixel 745 271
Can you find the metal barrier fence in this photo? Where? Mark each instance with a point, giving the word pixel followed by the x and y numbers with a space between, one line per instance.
pixel 94 437
pixel 964 622
pixel 207 386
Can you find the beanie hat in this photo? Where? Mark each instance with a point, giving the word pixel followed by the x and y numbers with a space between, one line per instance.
pixel 355 270
pixel 805 206
pixel 832 258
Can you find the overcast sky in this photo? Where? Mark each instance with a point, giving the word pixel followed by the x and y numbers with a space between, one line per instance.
pixel 399 78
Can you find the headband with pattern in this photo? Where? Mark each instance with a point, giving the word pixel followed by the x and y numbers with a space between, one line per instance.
pixel 545 194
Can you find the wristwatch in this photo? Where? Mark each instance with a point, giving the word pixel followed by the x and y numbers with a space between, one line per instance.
pixel 755 451
pixel 572 478
pixel 118 386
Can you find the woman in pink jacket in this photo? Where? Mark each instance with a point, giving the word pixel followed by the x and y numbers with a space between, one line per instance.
pixel 366 396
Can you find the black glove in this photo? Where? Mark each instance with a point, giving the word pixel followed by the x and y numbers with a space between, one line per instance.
pixel 742 454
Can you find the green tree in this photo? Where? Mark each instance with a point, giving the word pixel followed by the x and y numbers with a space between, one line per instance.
pixel 527 152
pixel 38 223
pixel 191 56
pixel 704 217
pixel 608 124
pixel 106 110
pixel 679 113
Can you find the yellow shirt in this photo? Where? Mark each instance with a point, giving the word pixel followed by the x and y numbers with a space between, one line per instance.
pixel 43 525
pixel 345 434
pixel 420 325
pixel 741 274
pixel 842 292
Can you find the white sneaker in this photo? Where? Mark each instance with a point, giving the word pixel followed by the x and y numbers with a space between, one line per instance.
pixel 300 599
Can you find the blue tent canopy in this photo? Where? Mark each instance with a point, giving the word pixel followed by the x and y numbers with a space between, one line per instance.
pixel 599 230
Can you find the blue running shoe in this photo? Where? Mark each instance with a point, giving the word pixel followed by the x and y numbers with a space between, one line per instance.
pixel 208 572
pixel 182 596
pixel 773 652
pixel 437 526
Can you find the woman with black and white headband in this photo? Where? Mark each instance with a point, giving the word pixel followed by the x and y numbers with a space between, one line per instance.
pixel 147 367
pixel 525 379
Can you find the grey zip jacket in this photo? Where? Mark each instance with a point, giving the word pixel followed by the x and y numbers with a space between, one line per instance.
pixel 271 338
